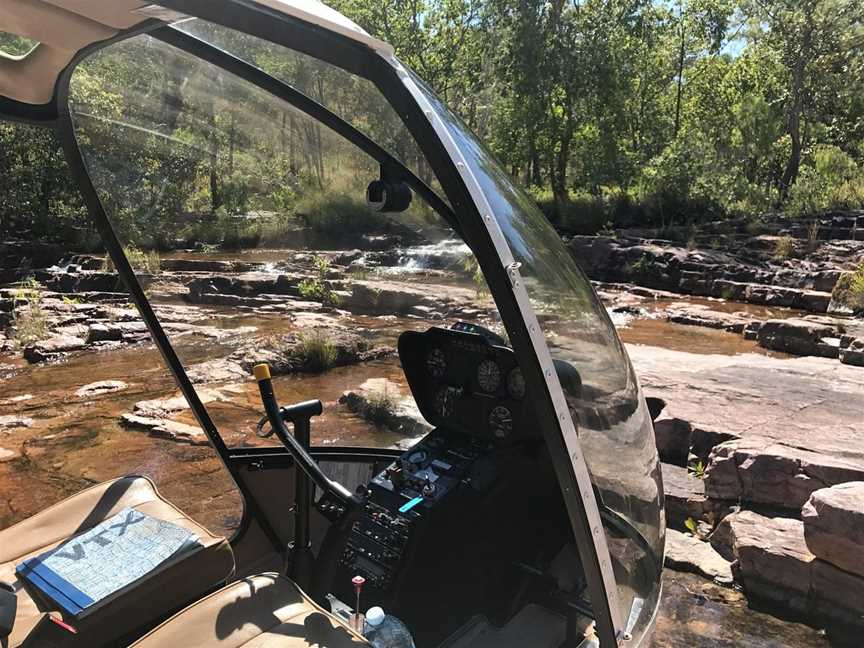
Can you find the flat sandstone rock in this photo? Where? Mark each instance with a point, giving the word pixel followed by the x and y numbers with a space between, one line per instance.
pixel 834 526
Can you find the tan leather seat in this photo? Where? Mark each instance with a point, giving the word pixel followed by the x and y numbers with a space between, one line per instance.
pixel 162 594
pixel 264 611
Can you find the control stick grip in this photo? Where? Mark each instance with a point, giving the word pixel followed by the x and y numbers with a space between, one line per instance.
pixel 304 461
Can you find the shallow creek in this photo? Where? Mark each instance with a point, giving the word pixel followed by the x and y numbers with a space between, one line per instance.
pixel 74 442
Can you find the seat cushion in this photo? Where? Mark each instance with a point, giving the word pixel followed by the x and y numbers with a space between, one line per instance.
pixel 264 611
pixel 166 591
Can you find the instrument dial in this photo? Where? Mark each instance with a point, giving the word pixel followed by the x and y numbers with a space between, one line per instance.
pixel 436 362
pixel 489 375
pixel 516 383
pixel 445 400
pixel 501 422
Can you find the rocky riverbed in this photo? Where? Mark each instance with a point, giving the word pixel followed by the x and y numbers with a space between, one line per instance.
pixel 756 392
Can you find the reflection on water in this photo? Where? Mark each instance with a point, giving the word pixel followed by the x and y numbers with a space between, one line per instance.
pixel 695 613
pixel 692 339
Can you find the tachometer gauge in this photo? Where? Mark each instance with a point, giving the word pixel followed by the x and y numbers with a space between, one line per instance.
pixel 489 375
pixel 444 401
pixel 436 363
pixel 501 422
pixel 516 383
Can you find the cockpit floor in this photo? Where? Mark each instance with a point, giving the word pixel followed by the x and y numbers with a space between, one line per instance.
pixel 533 626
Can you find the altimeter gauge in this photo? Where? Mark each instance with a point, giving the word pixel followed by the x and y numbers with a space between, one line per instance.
pixel 489 375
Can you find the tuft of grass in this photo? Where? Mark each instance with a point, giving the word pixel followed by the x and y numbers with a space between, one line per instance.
pixel 30 323
pixel 849 290
pixel 641 266
pixel 697 470
pixel 783 248
pixel 140 260
pixel 380 406
pixel 813 236
pixel 316 288
pixel 608 230
pixel 693 527
pixel 315 351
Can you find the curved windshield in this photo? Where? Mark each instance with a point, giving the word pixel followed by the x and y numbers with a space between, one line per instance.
pixel 254 241
pixel 606 403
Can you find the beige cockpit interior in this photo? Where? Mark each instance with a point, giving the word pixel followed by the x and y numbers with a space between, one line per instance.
pixel 61 28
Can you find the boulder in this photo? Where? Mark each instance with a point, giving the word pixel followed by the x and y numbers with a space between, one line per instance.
pixel 103 333
pixel 773 563
pixel 685 552
pixel 12 421
pixel 798 418
pixel 798 337
pixel 834 525
pixel 673 437
pixel 164 428
pixel 762 471
pixel 853 352
pixel 196 265
pixel 213 371
pixel 304 351
pixel 100 388
pixel 8 455
pixel 250 284
pixel 685 496
pixel 165 407
pixel 53 348
pixel 771 558
pixel 381 401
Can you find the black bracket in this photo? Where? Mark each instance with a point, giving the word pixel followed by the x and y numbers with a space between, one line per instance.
pixel 389 194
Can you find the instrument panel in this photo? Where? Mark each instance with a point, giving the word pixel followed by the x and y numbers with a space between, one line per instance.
pixel 463 381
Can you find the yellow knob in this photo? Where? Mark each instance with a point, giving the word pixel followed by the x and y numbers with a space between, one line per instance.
pixel 261 371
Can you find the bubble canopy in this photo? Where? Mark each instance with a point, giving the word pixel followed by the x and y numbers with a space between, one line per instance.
pixel 587 403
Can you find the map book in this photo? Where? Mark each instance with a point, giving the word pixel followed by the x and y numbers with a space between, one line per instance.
pixel 87 571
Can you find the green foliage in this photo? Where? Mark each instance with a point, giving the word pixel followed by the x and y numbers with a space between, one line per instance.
pixel 29 321
pixel 610 113
pixel 829 179
pixel 380 406
pixel 692 526
pixel 784 247
pixel 317 287
pixel 140 260
pixel 641 266
pixel 697 470
pixel 315 351
pixel 849 290
pixel 333 218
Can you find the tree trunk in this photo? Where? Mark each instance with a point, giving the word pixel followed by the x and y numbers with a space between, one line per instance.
pixel 232 134
pixel 536 178
pixel 215 194
pixel 680 90
pixel 793 127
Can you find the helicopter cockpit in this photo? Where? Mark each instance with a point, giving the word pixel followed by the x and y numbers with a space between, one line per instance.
pixel 451 428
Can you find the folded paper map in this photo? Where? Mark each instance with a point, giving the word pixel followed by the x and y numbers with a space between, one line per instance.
pixel 89 570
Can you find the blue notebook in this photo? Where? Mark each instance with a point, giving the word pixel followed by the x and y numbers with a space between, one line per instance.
pixel 89 570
